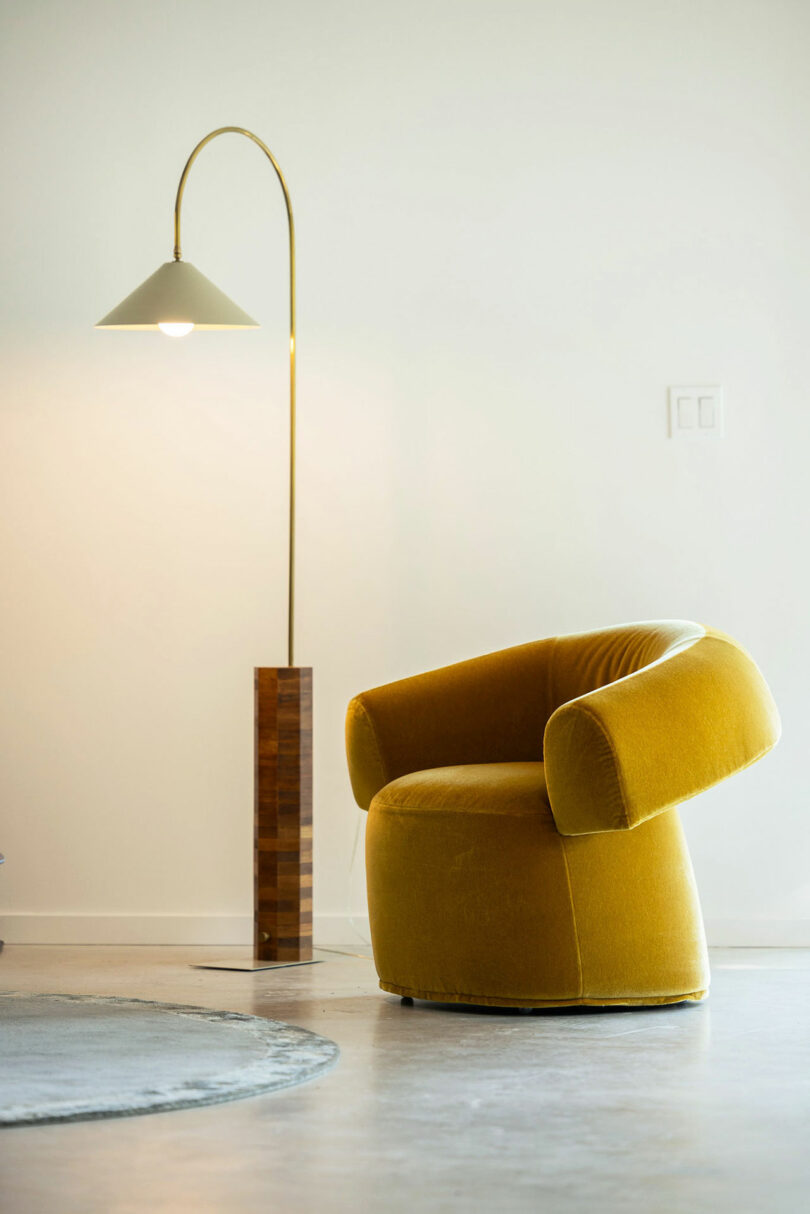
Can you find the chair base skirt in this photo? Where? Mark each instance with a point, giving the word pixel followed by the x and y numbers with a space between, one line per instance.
pixel 488 1001
pixel 492 906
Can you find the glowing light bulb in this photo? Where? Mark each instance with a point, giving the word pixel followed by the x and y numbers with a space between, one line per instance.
pixel 175 328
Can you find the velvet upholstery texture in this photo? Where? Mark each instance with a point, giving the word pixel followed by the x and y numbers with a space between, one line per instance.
pixel 523 848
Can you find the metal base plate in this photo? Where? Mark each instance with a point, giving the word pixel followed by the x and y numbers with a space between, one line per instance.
pixel 251 965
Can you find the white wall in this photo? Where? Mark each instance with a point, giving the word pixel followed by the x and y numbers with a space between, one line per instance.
pixel 518 222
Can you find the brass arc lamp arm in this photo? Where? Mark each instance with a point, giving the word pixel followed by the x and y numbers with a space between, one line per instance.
pixel 238 130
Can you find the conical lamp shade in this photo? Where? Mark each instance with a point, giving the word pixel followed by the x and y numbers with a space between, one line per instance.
pixel 177 293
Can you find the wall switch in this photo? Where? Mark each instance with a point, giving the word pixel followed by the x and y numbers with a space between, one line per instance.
pixel 706 412
pixel 696 412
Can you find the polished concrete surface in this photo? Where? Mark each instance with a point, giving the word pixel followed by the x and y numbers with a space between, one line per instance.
pixel 693 1108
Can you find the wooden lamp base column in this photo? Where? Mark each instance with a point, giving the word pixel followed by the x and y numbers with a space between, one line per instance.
pixel 282 866
pixel 282 836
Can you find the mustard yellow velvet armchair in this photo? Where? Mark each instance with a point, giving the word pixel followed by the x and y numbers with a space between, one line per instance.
pixel 523 847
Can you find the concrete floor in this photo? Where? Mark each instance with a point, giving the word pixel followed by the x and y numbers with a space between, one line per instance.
pixel 695 1108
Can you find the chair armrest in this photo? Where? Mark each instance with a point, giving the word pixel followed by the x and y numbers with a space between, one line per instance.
pixel 638 746
pixel 487 710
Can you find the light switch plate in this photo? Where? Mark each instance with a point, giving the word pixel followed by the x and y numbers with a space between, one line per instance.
pixel 696 412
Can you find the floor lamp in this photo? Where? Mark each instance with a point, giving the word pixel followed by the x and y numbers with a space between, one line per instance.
pixel 176 299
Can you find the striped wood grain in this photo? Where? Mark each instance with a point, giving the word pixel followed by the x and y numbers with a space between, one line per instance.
pixel 283 814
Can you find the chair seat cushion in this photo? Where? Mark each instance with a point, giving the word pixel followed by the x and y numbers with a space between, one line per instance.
pixel 515 789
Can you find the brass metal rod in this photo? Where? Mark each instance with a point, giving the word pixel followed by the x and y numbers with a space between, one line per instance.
pixel 238 130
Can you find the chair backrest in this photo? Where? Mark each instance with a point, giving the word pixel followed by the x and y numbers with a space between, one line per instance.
pixel 584 661
pixel 514 704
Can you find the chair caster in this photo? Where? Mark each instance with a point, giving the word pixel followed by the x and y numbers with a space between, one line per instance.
pixel 406 1001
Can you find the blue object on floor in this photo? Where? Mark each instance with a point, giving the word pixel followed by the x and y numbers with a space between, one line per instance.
pixel 73 1057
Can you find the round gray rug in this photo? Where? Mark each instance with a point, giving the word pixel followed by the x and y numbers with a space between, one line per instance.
pixel 72 1057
